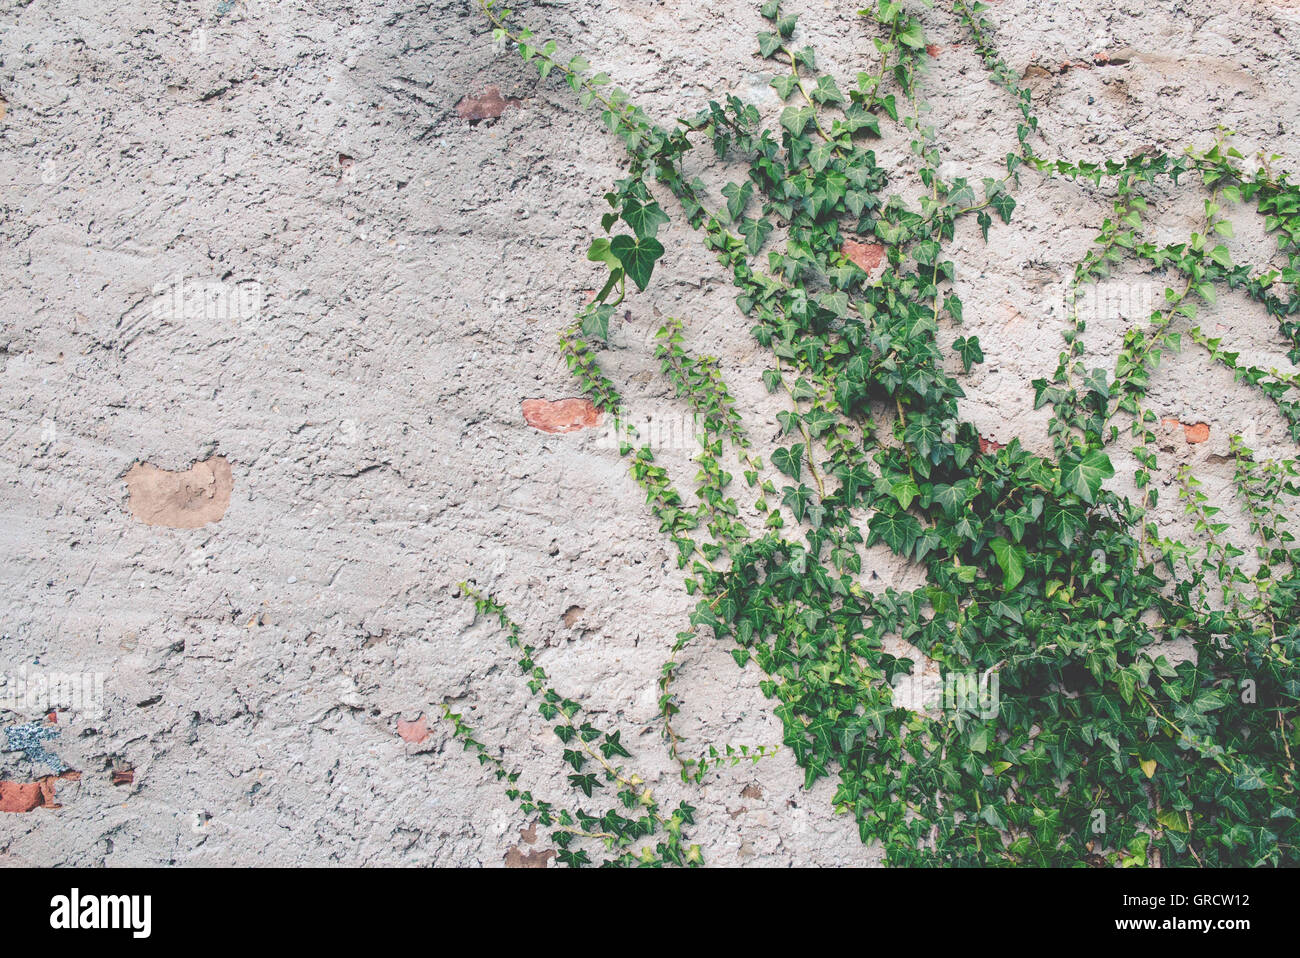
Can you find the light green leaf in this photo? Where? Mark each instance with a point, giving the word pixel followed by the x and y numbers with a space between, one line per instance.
pixel 1084 477
pixel 1012 560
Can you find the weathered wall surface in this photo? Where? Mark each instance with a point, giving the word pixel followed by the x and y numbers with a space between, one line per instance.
pixel 259 242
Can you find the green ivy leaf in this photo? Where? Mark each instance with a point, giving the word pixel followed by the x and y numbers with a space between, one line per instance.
pixel 819 421
pixel 637 257
pixel 898 530
pixel 968 348
pixel 737 195
pixel 1011 558
pixel 904 491
pixel 912 35
pixel 797 500
pixel 820 155
pixel 1063 521
pixel 923 435
pixel 796 119
pixel 612 746
pixel 595 321
pixel 826 92
pixel 755 232
pixel 1003 203
pixel 645 217
pixel 789 461
pixel 1084 476
pixel 599 252
pixel 784 84
pixel 585 783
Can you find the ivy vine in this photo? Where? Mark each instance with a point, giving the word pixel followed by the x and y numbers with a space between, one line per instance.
pixel 1098 750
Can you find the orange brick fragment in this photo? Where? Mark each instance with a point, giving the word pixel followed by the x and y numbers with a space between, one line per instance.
pixel 488 105
pixel 563 415
pixel 25 796
pixel 415 732
pixel 866 255
pixel 1194 432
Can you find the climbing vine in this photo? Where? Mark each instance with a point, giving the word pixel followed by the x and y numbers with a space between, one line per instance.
pixel 1066 734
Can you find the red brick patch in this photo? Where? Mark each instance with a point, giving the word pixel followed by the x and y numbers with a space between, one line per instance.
pixel 415 732
pixel 866 255
pixel 1112 58
pixel 517 858
pixel 25 796
pixel 989 446
pixel 488 105
pixel 184 499
pixel 1193 432
pixel 563 415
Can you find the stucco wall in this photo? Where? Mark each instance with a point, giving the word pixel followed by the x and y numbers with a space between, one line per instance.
pixel 384 281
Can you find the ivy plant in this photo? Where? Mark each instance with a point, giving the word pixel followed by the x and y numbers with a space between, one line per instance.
pixel 1098 749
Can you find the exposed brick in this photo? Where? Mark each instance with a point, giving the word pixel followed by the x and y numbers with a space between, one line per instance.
pixel 516 858
pixel 416 731
pixel 20 796
pixel 563 415
pixel 1112 58
pixel 866 255
pixel 488 105
pixel 1193 432
pixel 187 499
pixel 26 796
pixel 990 446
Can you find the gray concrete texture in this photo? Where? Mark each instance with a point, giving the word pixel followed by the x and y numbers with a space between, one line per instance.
pixel 256 266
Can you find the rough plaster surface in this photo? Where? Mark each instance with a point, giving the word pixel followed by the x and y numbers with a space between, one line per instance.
pixel 270 232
